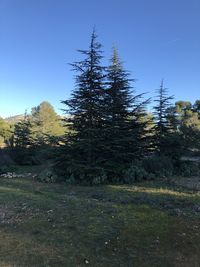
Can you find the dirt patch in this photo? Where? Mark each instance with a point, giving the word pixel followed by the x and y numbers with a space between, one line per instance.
pixel 15 215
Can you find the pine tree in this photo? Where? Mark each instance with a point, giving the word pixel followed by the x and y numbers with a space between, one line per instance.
pixel 125 123
pixel 85 107
pixel 23 133
pixel 162 127
pixel 23 151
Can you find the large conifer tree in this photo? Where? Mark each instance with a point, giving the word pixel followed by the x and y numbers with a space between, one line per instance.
pixel 85 107
pixel 125 124
pixel 107 125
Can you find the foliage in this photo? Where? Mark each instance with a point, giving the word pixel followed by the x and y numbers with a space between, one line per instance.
pixel 23 152
pixel 72 172
pixel 23 133
pixel 162 126
pixel 196 106
pixel 47 176
pixel 85 108
pixel 187 168
pixel 160 166
pixel 125 126
pixel 136 172
pixel 174 144
pixel 107 124
pixel 7 168
pixel 24 156
pixel 47 126
pixel 147 169
pixel 5 133
pixel 186 124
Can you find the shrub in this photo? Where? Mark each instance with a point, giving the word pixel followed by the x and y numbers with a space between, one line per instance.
pixel 136 172
pixel 100 179
pixel 159 166
pixel 71 180
pixel 87 175
pixel 47 176
pixel 72 173
pixel 7 168
pixel 187 168
pixel 148 169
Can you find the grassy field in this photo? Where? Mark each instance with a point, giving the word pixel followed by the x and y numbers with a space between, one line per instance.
pixel 154 224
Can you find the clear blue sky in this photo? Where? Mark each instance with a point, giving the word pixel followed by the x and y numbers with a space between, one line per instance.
pixel 155 38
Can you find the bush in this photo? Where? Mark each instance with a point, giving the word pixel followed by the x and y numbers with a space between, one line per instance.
pixel 101 178
pixel 136 172
pixel 113 171
pixel 86 175
pixel 7 168
pixel 71 180
pixel 148 169
pixel 71 172
pixel 187 168
pixel 47 176
pixel 160 166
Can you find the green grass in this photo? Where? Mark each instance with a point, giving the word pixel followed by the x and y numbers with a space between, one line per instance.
pixel 152 224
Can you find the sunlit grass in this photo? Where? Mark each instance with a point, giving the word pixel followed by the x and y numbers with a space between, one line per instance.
pixel 159 192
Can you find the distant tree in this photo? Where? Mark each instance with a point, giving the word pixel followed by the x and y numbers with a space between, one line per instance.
pixel 85 107
pixel 162 128
pixel 196 107
pixel 23 150
pixel 23 133
pixel 184 117
pixel 5 133
pixel 190 128
pixel 181 106
pixel 177 114
pixel 46 123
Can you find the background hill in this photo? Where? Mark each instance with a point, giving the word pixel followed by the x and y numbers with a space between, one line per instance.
pixel 14 119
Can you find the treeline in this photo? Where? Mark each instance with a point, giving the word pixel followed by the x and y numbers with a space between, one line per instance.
pixel 112 137
pixel 108 136
pixel 27 138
